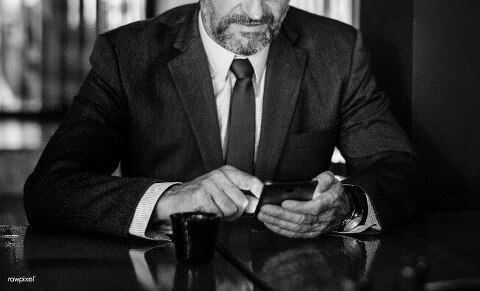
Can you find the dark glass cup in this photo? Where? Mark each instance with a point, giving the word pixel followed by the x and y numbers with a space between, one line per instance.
pixel 195 234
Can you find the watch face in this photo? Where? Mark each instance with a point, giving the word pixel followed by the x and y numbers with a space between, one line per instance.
pixel 353 223
pixel 357 198
pixel 355 216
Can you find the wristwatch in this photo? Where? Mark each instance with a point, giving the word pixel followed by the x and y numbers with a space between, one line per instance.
pixel 358 208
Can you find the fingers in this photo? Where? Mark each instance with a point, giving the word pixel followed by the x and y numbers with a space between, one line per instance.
pixel 184 198
pixel 243 180
pixel 325 214
pixel 291 229
pixel 223 186
pixel 226 205
pixel 287 225
pixel 319 204
pixel 307 218
pixel 311 207
pixel 285 215
pixel 282 218
pixel 210 207
pixel 229 190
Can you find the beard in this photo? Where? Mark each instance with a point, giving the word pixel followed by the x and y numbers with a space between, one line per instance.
pixel 241 43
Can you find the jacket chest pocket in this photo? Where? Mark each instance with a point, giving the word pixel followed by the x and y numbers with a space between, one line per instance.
pixel 306 155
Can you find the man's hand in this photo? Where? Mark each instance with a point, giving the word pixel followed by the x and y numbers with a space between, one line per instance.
pixel 218 191
pixel 326 210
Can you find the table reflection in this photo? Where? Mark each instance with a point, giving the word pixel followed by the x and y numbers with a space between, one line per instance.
pixel 392 260
pixel 157 269
pixel 328 262
pixel 75 261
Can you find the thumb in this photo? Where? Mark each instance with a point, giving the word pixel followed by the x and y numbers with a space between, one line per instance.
pixel 252 204
pixel 325 181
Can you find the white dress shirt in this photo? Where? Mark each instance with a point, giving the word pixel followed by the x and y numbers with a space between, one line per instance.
pixel 223 81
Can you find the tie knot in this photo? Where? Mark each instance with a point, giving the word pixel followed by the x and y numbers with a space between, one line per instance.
pixel 242 68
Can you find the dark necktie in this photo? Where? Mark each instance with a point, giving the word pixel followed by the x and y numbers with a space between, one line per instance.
pixel 241 136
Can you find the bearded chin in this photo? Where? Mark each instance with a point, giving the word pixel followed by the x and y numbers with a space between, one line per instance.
pixel 246 43
pixel 241 43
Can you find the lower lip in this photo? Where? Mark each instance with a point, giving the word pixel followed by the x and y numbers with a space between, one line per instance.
pixel 251 27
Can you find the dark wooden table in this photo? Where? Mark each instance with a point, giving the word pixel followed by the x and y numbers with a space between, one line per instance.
pixel 447 242
pixel 69 261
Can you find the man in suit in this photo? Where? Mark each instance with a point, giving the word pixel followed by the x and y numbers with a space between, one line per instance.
pixel 210 99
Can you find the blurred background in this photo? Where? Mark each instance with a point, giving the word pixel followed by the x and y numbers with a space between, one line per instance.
pixel 425 54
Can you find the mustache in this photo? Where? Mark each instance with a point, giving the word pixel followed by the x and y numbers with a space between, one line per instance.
pixel 245 20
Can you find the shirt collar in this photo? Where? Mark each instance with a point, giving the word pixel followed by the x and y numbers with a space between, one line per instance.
pixel 220 58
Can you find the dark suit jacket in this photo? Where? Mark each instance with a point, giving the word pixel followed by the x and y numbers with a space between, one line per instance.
pixel 148 102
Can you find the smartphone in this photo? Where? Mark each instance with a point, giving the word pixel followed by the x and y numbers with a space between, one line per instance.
pixel 277 192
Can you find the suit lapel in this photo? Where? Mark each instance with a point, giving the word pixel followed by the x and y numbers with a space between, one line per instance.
pixel 285 69
pixel 191 75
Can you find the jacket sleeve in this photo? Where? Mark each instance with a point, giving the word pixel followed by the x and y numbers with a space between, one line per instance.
pixel 380 158
pixel 72 186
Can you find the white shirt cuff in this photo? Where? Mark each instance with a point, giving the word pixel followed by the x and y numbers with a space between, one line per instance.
pixel 143 213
